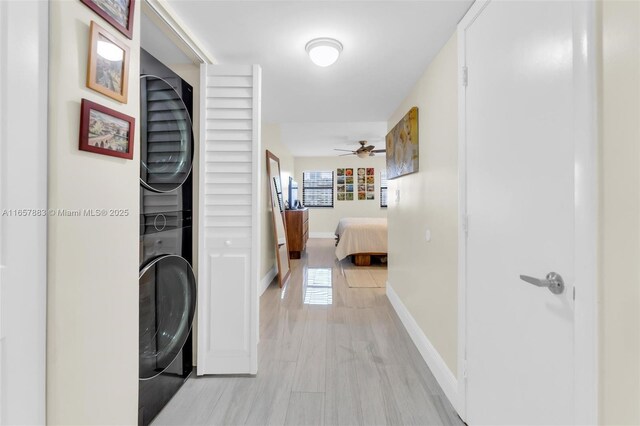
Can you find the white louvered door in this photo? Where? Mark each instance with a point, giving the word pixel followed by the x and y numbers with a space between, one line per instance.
pixel 229 226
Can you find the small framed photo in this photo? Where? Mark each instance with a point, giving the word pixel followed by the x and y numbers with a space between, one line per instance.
pixel 105 131
pixel 118 13
pixel 108 67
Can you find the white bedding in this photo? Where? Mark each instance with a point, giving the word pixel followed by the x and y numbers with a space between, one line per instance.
pixel 361 235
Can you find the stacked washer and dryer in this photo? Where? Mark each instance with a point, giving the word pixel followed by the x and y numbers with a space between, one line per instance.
pixel 167 282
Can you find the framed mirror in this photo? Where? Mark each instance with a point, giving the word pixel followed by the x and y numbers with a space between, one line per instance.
pixel 277 210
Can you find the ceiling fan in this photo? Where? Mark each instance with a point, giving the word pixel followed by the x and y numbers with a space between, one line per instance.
pixel 364 150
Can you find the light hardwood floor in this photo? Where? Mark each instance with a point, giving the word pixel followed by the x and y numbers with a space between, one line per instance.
pixel 328 354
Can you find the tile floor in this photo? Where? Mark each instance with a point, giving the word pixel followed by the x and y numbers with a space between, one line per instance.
pixel 329 354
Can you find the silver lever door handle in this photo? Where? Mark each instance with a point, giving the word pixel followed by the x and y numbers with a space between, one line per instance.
pixel 553 282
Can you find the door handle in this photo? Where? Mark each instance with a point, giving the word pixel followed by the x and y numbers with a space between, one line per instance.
pixel 553 282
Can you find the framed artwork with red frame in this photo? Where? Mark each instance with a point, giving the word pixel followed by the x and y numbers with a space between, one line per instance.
pixel 106 131
pixel 118 13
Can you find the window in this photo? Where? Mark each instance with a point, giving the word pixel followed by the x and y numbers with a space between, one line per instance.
pixel 317 189
pixel 383 188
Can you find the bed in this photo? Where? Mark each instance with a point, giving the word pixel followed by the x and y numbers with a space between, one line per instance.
pixel 361 238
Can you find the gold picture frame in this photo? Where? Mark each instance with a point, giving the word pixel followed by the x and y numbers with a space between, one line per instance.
pixel 108 65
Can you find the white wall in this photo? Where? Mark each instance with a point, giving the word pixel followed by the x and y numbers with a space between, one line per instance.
pixel 424 274
pixel 92 327
pixel 23 185
pixel 323 221
pixel 620 214
pixel 271 140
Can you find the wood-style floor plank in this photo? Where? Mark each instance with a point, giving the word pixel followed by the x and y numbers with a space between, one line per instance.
pixel 306 409
pixel 328 354
pixel 342 399
pixel 311 365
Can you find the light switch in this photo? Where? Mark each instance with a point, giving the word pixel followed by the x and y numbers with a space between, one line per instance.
pixel 427 235
pixel 397 196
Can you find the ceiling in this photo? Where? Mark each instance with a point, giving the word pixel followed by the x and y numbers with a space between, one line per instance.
pixel 320 139
pixel 387 47
pixel 154 41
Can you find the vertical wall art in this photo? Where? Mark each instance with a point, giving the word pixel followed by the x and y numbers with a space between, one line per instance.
pixel 402 146
pixel 345 184
pixel 108 65
pixel 371 184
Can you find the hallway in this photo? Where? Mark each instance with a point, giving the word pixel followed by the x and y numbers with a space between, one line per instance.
pixel 329 354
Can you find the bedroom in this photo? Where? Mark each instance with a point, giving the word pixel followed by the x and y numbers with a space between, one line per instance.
pixel 323 221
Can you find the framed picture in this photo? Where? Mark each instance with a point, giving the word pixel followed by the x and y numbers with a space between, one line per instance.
pixel 105 131
pixel 118 13
pixel 108 67
pixel 402 146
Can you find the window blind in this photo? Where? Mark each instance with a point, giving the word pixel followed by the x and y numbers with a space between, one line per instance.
pixel 317 189
pixel 383 188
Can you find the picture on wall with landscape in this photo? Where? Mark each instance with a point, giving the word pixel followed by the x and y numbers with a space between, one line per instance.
pixel 105 131
pixel 108 69
pixel 402 146
pixel 118 13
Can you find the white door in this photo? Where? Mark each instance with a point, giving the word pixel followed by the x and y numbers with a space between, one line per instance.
pixel 228 219
pixel 521 206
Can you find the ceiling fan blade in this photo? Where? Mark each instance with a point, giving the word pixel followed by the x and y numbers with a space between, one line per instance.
pixel 369 148
pixel 348 150
pixel 342 155
pixel 379 150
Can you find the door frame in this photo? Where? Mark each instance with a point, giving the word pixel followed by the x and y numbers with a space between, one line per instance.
pixel 24 57
pixel 585 123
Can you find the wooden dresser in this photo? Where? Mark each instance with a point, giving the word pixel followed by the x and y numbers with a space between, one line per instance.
pixel 297 222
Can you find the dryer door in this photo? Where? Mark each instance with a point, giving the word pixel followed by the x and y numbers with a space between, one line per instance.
pixel 167 306
pixel 166 150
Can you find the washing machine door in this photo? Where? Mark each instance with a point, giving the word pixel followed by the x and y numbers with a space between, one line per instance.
pixel 166 149
pixel 167 306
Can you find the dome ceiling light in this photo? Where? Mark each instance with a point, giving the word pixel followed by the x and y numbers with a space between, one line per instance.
pixel 324 51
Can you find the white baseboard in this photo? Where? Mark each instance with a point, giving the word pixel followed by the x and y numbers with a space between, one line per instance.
pixel 266 280
pixel 322 235
pixel 446 379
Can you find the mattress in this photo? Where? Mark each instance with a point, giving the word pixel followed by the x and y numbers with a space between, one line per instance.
pixel 361 235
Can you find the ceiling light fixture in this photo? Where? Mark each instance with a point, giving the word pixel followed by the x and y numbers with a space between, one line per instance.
pixel 324 51
pixel 363 154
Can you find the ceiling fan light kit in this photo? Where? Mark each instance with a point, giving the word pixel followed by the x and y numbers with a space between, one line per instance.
pixel 324 51
pixel 364 151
